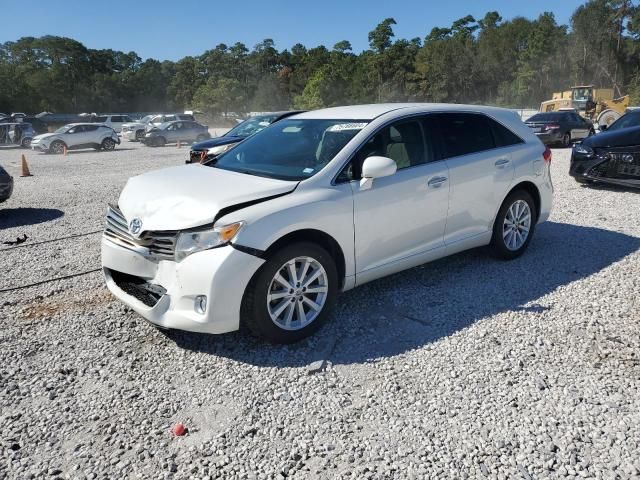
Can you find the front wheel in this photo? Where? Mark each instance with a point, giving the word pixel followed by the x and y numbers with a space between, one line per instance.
pixel 566 140
pixel 139 135
pixel 292 294
pixel 57 147
pixel 514 225
pixel 159 142
pixel 25 143
pixel 108 144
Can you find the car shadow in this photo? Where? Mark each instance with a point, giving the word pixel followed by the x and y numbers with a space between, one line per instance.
pixel 610 187
pixel 411 309
pixel 20 217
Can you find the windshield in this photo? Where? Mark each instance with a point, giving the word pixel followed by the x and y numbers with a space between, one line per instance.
pixel 626 121
pixel 581 94
pixel 290 149
pixel 251 126
pixel 146 119
pixel 63 129
pixel 546 117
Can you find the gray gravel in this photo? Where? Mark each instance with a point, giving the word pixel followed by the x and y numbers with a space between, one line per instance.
pixel 463 368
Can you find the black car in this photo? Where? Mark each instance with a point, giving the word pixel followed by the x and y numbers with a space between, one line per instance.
pixel 238 133
pixel 630 119
pixel 612 157
pixel 560 128
pixel 6 185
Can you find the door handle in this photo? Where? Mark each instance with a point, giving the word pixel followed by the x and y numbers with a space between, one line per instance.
pixel 501 163
pixel 435 182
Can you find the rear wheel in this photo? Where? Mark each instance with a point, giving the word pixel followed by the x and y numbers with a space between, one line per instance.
pixel 514 225
pixel 26 142
pixel 566 140
pixel 292 294
pixel 108 144
pixel 57 147
pixel 139 135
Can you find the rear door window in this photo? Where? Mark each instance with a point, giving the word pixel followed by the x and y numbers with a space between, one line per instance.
pixel 464 133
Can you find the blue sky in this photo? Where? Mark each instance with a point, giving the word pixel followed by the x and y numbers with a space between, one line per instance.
pixel 172 29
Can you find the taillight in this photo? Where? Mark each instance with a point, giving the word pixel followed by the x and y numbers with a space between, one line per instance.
pixel 547 154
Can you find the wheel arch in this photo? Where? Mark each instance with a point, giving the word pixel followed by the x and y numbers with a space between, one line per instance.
pixel 318 237
pixel 532 190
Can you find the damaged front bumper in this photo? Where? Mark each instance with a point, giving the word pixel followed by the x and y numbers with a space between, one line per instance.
pixel 614 166
pixel 167 293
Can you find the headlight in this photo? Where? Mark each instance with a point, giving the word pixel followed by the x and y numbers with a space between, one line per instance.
pixel 219 149
pixel 192 242
pixel 583 150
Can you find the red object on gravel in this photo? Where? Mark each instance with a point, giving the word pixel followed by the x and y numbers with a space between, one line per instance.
pixel 178 429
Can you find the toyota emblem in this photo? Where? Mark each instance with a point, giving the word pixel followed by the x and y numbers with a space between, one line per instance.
pixel 135 227
pixel 627 158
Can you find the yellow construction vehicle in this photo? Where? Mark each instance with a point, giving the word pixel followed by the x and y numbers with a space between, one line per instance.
pixel 596 104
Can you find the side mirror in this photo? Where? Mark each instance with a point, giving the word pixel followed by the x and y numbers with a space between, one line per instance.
pixel 603 127
pixel 376 167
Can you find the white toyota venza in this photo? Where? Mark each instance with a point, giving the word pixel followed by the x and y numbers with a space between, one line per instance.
pixel 267 235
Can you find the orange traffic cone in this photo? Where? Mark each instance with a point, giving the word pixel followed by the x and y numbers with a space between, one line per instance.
pixel 179 144
pixel 64 151
pixel 25 168
pixel 203 156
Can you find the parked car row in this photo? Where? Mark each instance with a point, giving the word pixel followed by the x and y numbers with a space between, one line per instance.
pixel 134 131
pixel 216 146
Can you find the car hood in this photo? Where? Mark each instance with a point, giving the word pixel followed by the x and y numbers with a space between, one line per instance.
pixel 215 142
pixel 43 136
pixel 188 196
pixel 617 138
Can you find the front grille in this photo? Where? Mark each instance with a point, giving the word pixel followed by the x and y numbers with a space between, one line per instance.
pixel 138 288
pixel 158 245
pixel 618 163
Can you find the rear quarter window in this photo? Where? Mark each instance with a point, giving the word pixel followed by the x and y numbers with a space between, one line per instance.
pixel 503 136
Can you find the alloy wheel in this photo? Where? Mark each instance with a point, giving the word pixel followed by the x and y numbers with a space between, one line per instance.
pixel 516 225
pixel 297 293
pixel 57 147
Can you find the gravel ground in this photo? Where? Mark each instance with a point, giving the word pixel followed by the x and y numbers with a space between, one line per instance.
pixel 463 368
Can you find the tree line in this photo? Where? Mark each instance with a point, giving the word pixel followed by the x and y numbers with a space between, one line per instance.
pixel 490 60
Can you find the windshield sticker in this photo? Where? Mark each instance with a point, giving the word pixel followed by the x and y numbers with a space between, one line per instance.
pixel 307 170
pixel 340 127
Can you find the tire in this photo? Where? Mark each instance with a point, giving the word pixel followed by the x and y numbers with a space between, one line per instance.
pixel 258 311
pixel 139 135
pixel 159 142
pixel 505 242
pixel 25 143
pixel 57 147
pixel 591 132
pixel 566 140
pixel 201 138
pixel 108 145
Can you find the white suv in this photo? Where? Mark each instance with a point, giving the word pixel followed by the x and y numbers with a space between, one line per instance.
pixel 112 121
pixel 76 136
pixel 318 203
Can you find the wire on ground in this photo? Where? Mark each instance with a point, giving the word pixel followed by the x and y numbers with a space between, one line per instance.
pixel 64 277
pixel 52 240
